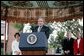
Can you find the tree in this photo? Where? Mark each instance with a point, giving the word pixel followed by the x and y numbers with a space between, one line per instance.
pixel 18 26
pixel 55 42
pixel 72 26
pixel 69 25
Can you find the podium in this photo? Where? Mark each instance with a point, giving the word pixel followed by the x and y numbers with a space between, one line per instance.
pixel 37 46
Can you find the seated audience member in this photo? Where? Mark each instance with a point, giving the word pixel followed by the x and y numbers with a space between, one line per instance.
pixel 15 45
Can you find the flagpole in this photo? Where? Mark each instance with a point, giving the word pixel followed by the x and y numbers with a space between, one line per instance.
pixel 5 40
pixel 6 12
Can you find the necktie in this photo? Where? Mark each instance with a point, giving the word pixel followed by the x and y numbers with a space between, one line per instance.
pixel 39 29
pixel 68 39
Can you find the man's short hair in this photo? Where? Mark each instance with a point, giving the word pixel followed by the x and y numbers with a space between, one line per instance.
pixel 78 32
pixel 42 19
pixel 69 32
pixel 16 34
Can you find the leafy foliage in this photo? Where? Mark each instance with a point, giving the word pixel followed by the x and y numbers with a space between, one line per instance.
pixel 18 26
pixel 58 40
pixel 72 26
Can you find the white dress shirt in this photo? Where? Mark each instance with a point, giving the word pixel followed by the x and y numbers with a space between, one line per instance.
pixel 39 29
pixel 78 41
pixel 15 47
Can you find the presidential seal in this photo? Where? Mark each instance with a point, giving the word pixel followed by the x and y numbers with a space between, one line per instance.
pixel 31 39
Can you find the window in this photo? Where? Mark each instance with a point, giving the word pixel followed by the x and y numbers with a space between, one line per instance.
pixel 3 30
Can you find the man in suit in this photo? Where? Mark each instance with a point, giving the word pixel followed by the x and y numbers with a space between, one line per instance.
pixel 68 45
pixel 78 45
pixel 41 27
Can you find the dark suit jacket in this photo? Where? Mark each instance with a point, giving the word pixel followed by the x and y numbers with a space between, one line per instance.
pixel 44 29
pixel 68 45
